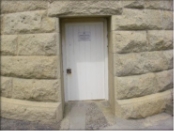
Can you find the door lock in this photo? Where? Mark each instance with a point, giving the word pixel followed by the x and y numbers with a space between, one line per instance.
pixel 68 71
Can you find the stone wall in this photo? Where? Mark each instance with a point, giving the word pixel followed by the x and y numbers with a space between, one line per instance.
pixel 140 56
pixel 30 56
pixel 142 47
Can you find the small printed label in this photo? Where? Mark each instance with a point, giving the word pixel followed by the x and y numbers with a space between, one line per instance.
pixel 84 36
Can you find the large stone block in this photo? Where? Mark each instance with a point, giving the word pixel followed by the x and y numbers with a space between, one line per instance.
pixel 37 44
pixel 37 90
pixel 143 106
pixel 20 5
pixel 135 86
pixel 143 19
pixel 159 4
pixel 6 86
pixel 30 67
pixel 165 80
pixel 27 22
pixel 129 41
pixel 160 40
pixel 149 4
pixel 41 112
pixel 141 85
pixel 140 63
pixel 9 45
pixel 138 41
pixel 77 8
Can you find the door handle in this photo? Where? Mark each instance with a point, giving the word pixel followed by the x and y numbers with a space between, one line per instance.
pixel 68 71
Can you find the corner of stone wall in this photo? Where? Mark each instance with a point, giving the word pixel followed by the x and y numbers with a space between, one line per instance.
pixel 111 89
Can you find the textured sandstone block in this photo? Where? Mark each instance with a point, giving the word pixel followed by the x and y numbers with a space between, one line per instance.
pixel 37 90
pixel 159 4
pixel 129 41
pixel 137 41
pixel 8 44
pixel 28 22
pixel 143 106
pixel 49 24
pixel 141 85
pixel 135 86
pixel 6 86
pixel 37 44
pixel 20 5
pixel 160 40
pixel 30 67
pixel 149 4
pixel 139 63
pixel 134 4
pixel 42 112
pixel 165 80
pixel 142 19
pixel 76 8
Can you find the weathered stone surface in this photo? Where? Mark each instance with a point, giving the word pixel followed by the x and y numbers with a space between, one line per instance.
pixel 76 8
pixel 160 40
pixel 137 4
pixel 139 63
pixel 165 80
pixel 28 22
pixel 37 44
pixel 137 41
pixel 20 5
pixel 37 90
pixel 42 112
pixel 129 41
pixel 169 57
pixel 30 67
pixel 6 86
pixel 8 45
pixel 143 19
pixel 141 85
pixel 143 106
pixel 149 4
pixel 159 4
pixel 135 86
pixel 49 24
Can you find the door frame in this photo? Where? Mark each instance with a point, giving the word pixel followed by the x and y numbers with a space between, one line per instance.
pixel 105 39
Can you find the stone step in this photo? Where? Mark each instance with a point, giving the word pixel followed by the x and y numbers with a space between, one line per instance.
pixel 39 112
pixel 142 107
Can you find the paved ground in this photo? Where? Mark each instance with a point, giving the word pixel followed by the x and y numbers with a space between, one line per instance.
pixel 8 124
pixel 93 115
pixel 86 115
pixel 161 121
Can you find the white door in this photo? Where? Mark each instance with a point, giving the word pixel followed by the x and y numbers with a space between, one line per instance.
pixel 85 61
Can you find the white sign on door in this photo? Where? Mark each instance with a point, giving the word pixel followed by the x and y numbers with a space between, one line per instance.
pixel 84 36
